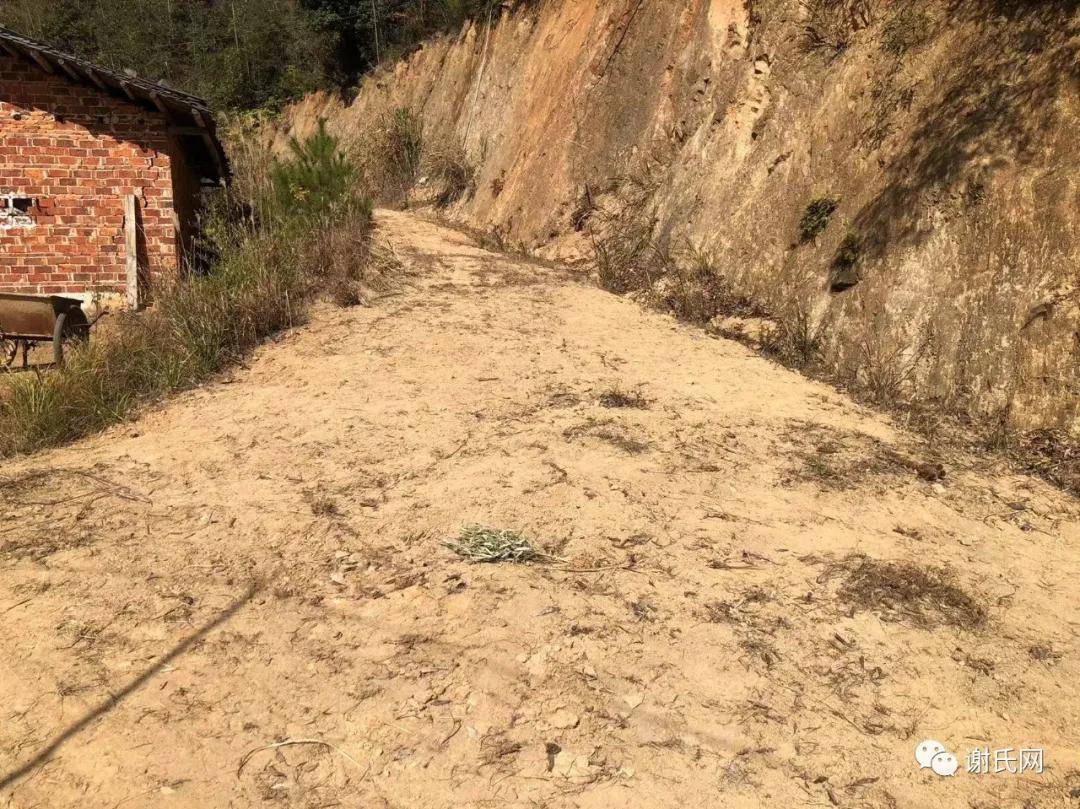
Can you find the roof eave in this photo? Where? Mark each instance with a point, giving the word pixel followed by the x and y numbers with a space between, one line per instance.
pixel 179 108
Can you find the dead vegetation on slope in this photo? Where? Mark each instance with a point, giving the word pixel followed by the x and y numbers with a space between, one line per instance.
pixel 408 165
pixel 389 151
pixel 881 368
pixel 628 256
pixel 449 172
pixel 902 591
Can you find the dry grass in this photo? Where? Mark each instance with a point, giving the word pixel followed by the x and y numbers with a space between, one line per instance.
pixel 838 460
pixel 832 468
pixel 832 24
pixel 583 211
pixel 792 337
pixel 1044 653
pixel 1051 454
pixel 643 610
pixel 389 154
pixel 906 592
pixel 447 166
pixel 355 268
pixel 393 153
pixel 757 648
pixel 618 438
pixel 696 291
pixel 628 256
pixel 323 506
pixel 679 278
pixel 624 251
pixel 617 398
pixel 478 544
pixel 606 430
pixel 906 30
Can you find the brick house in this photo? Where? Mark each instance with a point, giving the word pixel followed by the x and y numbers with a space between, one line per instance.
pixel 101 175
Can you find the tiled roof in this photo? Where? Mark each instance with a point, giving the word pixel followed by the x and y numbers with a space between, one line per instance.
pixel 189 116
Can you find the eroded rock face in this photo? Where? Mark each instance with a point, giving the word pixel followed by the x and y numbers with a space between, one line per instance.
pixel 946 132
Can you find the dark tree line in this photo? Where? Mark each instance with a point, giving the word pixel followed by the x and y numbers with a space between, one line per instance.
pixel 365 33
pixel 239 54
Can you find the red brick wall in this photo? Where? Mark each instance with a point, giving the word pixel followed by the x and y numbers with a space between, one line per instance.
pixel 78 152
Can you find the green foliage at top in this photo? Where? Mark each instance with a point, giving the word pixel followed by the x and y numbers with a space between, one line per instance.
pixel 316 178
pixel 366 33
pixel 235 53
pixel 816 217
pixel 240 54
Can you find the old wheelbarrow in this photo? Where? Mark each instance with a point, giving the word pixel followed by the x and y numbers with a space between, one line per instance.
pixel 26 320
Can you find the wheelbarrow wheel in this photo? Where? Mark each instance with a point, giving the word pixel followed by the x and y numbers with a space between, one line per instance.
pixel 67 335
pixel 9 349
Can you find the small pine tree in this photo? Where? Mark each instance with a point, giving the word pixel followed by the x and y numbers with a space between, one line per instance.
pixel 316 179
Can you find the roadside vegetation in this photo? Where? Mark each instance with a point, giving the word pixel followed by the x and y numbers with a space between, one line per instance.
pixel 633 255
pixel 389 153
pixel 302 229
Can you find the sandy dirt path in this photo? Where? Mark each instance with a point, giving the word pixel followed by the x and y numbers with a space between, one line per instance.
pixel 261 561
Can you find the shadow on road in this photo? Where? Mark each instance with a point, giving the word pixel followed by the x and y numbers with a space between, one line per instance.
pixel 47 752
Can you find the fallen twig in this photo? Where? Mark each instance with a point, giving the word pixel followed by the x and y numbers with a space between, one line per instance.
pixel 452 734
pixel 292 743
pixel 625 566
pixel 19 603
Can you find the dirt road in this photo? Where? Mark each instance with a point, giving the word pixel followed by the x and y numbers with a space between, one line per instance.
pixel 746 606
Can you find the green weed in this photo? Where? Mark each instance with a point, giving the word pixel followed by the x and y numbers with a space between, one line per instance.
pixel 816 217
pixel 476 544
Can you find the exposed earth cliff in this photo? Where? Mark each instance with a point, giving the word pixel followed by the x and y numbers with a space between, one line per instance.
pixel 894 185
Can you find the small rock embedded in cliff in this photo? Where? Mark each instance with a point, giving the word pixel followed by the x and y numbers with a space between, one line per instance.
pixel 843 279
pixel 844 275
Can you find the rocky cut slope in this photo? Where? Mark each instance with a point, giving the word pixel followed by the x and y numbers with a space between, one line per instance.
pixel 894 183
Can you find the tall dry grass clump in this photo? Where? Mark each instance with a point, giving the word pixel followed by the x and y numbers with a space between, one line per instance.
pixel 291 228
pixel 447 167
pixel 667 272
pixel 396 155
pixel 389 154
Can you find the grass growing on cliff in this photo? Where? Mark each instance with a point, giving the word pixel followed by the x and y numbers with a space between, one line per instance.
pixel 829 25
pixel 816 217
pixel 449 168
pixel 389 153
pixel 906 30
pixel 671 273
pixel 309 230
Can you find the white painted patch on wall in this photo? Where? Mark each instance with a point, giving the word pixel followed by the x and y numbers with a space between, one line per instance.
pixel 16 212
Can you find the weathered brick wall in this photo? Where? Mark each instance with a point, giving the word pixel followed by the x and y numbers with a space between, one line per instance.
pixel 77 152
